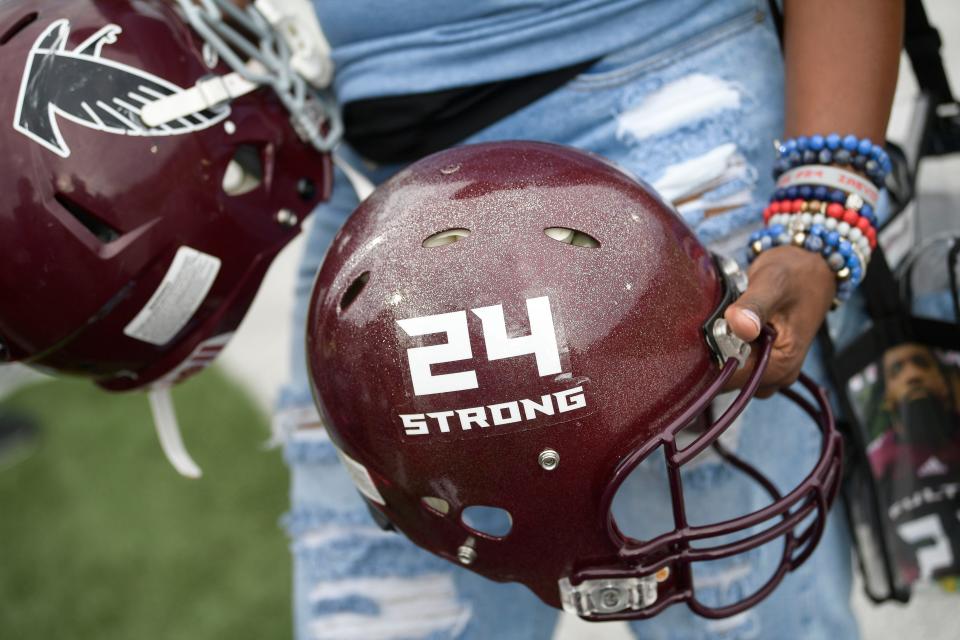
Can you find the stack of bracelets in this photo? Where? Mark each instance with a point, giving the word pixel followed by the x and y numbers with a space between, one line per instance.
pixel 825 201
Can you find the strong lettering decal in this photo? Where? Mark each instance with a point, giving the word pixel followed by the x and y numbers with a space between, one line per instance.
pixel 541 343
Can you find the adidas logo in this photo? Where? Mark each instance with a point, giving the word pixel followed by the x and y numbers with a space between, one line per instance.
pixel 932 467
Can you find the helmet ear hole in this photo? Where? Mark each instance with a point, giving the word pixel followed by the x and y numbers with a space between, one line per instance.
pixel 435 505
pixel 244 172
pixel 443 238
pixel 350 295
pixel 567 235
pixel 492 522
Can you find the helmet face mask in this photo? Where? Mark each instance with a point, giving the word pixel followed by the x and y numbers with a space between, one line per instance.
pixel 515 327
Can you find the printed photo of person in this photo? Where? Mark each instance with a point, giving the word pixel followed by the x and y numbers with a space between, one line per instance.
pixel 908 404
pixel 918 409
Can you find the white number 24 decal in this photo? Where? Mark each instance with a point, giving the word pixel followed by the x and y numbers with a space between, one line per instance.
pixel 540 342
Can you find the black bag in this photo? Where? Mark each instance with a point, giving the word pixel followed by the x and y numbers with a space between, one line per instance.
pixel 899 388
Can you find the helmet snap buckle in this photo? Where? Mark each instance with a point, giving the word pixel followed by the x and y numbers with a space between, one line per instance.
pixel 608 596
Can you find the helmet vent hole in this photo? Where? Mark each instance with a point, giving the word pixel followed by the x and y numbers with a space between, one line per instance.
pixel 103 231
pixel 350 295
pixel 567 235
pixel 244 172
pixel 492 522
pixel 437 506
pixel 443 238
pixel 17 27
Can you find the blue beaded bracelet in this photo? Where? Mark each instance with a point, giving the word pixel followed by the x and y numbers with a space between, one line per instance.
pixel 862 154
pixel 839 253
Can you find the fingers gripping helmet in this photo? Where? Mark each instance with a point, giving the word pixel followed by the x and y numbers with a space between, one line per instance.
pixel 130 253
pixel 517 326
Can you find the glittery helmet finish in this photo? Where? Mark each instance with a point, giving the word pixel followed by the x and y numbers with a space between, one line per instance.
pixel 128 254
pixel 517 326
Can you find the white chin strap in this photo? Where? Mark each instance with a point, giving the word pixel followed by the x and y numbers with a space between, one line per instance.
pixel 361 185
pixel 165 421
pixel 206 94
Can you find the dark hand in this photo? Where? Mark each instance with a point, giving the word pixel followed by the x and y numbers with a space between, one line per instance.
pixel 791 289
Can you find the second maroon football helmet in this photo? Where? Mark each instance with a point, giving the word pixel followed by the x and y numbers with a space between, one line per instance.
pixel 517 326
pixel 129 253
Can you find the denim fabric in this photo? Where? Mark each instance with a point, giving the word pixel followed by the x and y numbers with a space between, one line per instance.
pixel 425 45
pixel 696 119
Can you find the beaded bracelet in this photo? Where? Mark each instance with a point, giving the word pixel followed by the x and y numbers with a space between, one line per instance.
pixel 841 256
pixel 861 154
pixel 804 221
pixel 822 193
pixel 843 234
pixel 824 208
pixel 845 220
pixel 864 215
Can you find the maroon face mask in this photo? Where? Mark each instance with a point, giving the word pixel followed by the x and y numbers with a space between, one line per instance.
pixel 517 326
pixel 129 253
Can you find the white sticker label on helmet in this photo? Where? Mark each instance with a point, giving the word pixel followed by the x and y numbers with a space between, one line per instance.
pixel 184 287
pixel 361 478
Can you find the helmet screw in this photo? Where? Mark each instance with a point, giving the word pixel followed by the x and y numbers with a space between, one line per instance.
pixel 287 218
pixel 466 554
pixel 549 459
pixel 610 598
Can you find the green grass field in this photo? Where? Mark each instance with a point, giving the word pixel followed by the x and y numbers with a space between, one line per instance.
pixel 101 539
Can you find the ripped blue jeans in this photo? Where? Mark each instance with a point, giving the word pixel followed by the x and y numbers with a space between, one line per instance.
pixel 695 118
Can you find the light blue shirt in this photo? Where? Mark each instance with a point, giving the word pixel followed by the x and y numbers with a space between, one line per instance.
pixel 396 47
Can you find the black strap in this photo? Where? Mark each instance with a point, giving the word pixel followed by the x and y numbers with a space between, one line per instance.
pixel 405 128
pixel 881 290
pixel 777 15
pixel 922 42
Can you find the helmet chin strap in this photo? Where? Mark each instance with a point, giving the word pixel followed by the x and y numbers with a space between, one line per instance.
pixel 168 430
pixel 209 93
pixel 361 185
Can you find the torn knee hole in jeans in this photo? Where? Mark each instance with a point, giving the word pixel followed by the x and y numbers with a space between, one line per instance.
pixel 385 608
pixel 713 182
pixel 297 419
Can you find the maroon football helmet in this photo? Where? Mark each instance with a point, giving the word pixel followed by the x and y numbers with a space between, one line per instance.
pixel 517 326
pixel 130 253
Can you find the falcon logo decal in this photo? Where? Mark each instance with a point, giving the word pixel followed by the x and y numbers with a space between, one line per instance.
pixel 92 91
